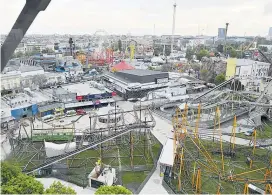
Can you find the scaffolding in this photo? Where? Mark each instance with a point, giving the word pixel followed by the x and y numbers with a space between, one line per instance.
pixel 126 144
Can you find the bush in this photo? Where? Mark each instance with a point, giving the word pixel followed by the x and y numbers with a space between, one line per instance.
pixel 8 171
pixel 22 184
pixel 59 188
pixel 112 190
pixel 219 79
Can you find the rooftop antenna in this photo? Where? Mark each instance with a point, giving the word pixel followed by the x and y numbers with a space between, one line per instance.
pixel 173 26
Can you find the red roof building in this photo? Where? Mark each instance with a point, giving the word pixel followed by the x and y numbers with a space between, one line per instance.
pixel 122 66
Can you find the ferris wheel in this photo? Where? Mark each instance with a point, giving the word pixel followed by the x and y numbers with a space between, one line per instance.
pixel 101 37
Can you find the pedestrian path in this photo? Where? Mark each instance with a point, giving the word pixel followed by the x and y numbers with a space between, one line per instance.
pixel 161 131
pixel 154 184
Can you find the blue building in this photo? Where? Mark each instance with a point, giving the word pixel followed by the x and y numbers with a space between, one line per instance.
pixel 24 111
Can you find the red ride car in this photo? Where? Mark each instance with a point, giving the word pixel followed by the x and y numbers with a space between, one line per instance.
pixel 81 112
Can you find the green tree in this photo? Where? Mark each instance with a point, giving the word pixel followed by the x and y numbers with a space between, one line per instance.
pixel 158 50
pixel 196 67
pixel 119 45
pixel 8 171
pixel 219 79
pixel 202 53
pixel 19 54
pixel 167 50
pixel 39 80
pixel 204 74
pixel 263 48
pixel 22 184
pixel 59 188
pixel 189 54
pixel 233 53
pixel 112 190
pixel 47 50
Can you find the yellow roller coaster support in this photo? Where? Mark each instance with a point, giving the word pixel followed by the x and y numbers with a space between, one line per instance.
pixel 205 154
pixel 249 172
pixel 217 116
pixel 218 189
pixel 198 181
pixel 268 174
pixel 197 121
pixel 232 139
pixel 268 189
pixel 184 119
pixel 200 146
pixel 193 176
pixel 246 191
pixel 180 169
pixel 254 136
pixel 132 51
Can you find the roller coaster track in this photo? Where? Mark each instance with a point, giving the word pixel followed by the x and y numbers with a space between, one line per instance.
pixel 84 148
pixel 215 88
pixel 262 95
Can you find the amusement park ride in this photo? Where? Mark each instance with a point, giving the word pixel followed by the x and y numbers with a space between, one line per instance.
pixel 96 58
pixel 223 166
pixel 213 161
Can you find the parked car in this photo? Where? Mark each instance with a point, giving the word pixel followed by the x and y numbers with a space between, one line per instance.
pixel 81 112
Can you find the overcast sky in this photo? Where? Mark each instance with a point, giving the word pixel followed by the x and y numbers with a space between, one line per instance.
pixel 193 17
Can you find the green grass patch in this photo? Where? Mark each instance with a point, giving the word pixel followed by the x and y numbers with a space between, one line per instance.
pixel 156 148
pixel 133 177
pixel 265 133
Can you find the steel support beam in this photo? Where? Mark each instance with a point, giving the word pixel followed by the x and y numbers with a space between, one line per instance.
pixel 20 27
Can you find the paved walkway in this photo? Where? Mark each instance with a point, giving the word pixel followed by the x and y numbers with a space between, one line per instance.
pixel 154 184
pixel 161 131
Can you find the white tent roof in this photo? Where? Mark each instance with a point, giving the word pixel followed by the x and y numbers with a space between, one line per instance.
pixel 52 149
pixel 167 155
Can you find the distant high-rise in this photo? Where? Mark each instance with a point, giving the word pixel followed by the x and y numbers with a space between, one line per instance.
pixel 270 32
pixel 221 33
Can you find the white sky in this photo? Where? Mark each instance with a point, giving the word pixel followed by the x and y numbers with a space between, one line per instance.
pixel 250 17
